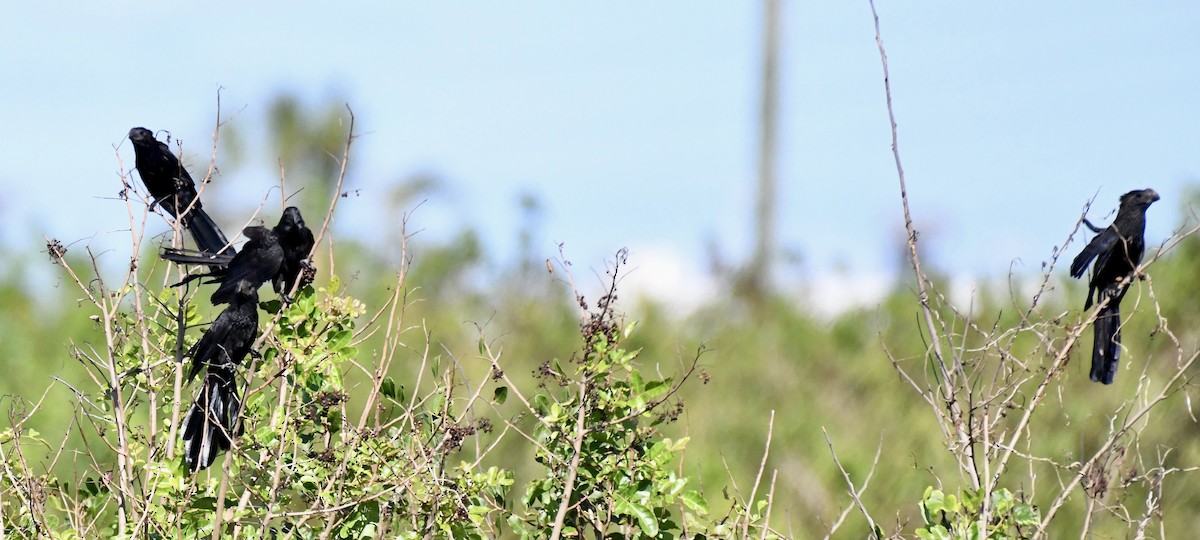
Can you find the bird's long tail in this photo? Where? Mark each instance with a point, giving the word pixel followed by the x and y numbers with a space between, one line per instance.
pixel 216 263
pixel 195 257
pixel 1106 350
pixel 212 422
pixel 206 233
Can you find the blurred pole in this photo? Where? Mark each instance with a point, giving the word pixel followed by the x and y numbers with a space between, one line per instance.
pixel 758 278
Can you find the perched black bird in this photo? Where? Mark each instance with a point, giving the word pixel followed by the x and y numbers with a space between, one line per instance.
pixel 212 422
pixel 173 189
pixel 297 242
pixel 1117 250
pixel 290 241
pixel 258 261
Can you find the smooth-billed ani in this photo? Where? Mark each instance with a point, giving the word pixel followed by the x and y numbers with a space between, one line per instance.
pixel 173 189
pixel 297 242
pixel 258 261
pixel 290 240
pixel 212 422
pixel 1117 250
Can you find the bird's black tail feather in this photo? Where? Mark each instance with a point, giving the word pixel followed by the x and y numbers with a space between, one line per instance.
pixel 206 233
pixel 216 263
pixel 212 422
pixel 1106 350
pixel 195 257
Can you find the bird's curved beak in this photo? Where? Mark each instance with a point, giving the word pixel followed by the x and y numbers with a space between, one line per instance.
pixel 1153 195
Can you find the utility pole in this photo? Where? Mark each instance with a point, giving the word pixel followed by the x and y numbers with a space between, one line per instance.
pixel 758 271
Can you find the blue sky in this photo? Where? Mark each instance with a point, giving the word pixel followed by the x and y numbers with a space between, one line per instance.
pixel 633 122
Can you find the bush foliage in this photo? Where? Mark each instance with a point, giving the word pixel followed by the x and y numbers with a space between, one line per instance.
pixel 374 410
pixel 336 445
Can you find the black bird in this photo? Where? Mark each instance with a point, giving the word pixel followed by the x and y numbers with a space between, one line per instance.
pixel 297 242
pixel 290 237
pixel 173 189
pixel 258 261
pixel 212 422
pixel 1117 249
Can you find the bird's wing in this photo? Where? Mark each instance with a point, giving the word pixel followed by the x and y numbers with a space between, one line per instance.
pixel 254 267
pixel 1102 243
pixel 208 349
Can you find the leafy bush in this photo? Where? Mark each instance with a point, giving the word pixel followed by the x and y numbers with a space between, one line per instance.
pixel 321 457
pixel 961 517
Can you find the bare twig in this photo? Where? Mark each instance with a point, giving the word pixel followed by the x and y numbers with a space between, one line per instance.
pixel 762 465
pixel 965 446
pixel 854 493
pixel 855 502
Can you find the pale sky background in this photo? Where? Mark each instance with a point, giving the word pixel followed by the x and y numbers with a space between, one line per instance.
pixel 634 123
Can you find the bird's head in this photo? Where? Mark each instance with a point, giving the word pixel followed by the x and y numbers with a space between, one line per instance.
pixel 1139 197
pixel 246 292
pixel 141 135
pixel 291 219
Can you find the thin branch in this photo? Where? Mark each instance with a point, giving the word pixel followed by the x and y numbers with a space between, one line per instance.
pixel 854 493
pixel 964 440
pixel 762 465
pixel 573 468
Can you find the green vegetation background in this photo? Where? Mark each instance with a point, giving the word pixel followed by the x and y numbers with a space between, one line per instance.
pixel 775 354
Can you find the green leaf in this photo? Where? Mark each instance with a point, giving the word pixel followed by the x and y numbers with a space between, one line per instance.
pixel 656 388
pixel 338 340
pixel 934 502
pixel 936 532
pixel 517 526
pixel 500 395
pixel 635 381
pixel 973 500
pixel 92 487
pixel 645 517
pixel 265 433
pixel 304 305
pixel 555 414
pixel 269 356
pixel 975 532
pixel 270 306
pixel 952 505
pixel 695 501
pixel 1026 514
pixel 673 485
pixel 388 387
pixel 435 403
pixel 541 404
pixel 1002 501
